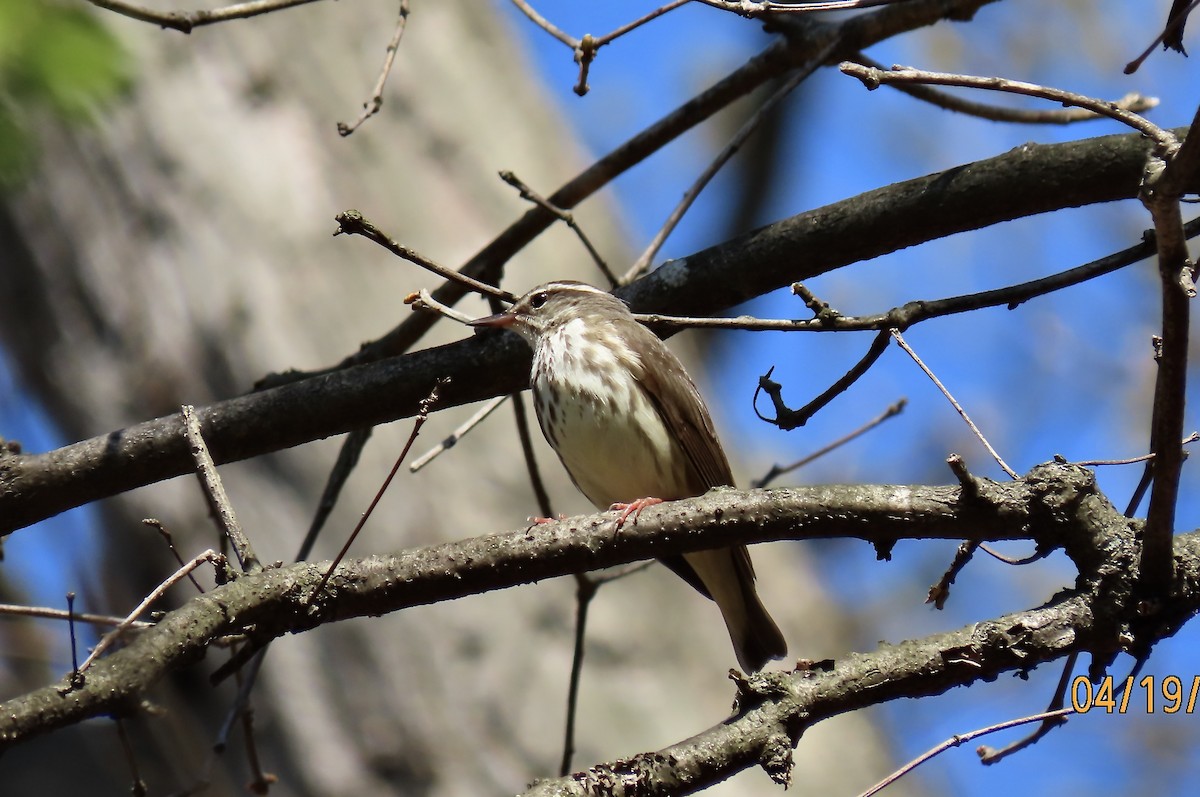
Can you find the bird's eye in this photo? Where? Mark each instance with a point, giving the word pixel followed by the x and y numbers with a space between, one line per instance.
pixel 537 300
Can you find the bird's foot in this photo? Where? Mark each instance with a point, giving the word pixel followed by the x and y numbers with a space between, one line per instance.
pixel 634 509
pixel 538 520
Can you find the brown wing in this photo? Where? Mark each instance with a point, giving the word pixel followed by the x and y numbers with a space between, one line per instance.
pixel 683 411
pixel 681 407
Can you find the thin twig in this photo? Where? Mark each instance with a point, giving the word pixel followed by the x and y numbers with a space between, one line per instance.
pixel 566 217
pixel 76 678
pixel 422 416
pixel 155 523
pixel 351 222
pixel 939 593
pixel 873 78
pixel 895 333
pixel 959 739
pixel 585 590
pixel 642 264
pixel 535 475
pixel 1132 101
pixel 584 49
pixel 261 780
pixel 15 610
pixel 372 106
pixel 248 676
pixel 106 642
pixel 916 312
pixel 637 23
pixel 787 418
pixel 458 434
pixel 760 8
pixel 423 300
pixel 1174 25
pixel 990 755
pixel 138 786
pixel 545 24
pixel 1092 463
pixel 214 493
pixel 348 456
pixel 184 21
pixel 1013 560
pixel 779 470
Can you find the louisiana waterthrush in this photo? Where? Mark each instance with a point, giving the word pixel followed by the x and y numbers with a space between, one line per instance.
pixel 631 429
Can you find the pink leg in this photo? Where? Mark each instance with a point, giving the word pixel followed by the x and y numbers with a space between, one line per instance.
pixel 634 509
pixel 538 521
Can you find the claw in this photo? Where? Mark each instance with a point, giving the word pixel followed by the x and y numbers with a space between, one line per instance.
pixel 537 520
pixel 635 508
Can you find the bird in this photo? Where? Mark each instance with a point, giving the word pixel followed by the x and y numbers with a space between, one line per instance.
pixel 632 430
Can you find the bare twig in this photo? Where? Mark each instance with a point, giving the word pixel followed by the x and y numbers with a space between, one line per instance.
pixel 423 300
pixel 762 8
pixel 422 416
pixel 1132 101
pixel 372 106
pixel 351 222
pixel 453 438
pixel 76 678
pixel 787 418
pixel 1171 36
pixel 566 217
pixel 1012 560
pixel 990 755
pixel 779 470
pixel 584 49
pixel 138 787
pixel 1091 463
pixel 106 642
pixel 262 780
pixel 959 739
pixel 214 493
pixel 521 416
pixel 545 24
pixel 16 610
pixel 895 333
pixel 916 312
pixel 339 474
pixel 642 264
pixel 939 593
pixel 873 78
pixel 184 21
pixel 1176 21
pixel 585 590
pixel 155 523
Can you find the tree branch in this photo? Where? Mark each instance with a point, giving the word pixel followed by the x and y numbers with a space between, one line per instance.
pixel 1056 505
pixel 1030 180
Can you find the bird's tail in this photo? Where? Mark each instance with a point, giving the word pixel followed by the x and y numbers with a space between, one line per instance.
pixel 729 577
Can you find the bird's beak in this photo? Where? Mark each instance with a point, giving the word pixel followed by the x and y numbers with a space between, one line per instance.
pixel 498 321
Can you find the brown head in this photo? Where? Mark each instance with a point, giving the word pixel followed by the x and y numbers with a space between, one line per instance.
pixel 550 306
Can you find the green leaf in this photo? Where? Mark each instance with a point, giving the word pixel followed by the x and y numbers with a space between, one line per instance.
pixel 72 63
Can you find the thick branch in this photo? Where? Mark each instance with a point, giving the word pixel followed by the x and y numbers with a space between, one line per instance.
pixel 1056 505
pixel 781 706
pixel 1025 181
